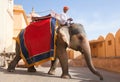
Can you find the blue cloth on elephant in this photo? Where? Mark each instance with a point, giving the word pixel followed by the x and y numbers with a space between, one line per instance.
pixel 37 42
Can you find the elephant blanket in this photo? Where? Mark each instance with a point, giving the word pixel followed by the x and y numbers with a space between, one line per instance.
pixel 37 42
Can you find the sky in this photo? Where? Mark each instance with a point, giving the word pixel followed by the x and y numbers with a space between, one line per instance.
pixel 99 17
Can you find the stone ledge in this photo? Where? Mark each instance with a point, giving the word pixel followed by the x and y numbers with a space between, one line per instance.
pixel 110 64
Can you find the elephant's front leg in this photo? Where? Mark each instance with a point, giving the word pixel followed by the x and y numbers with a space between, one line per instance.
pixel 54 64
pixel 62 55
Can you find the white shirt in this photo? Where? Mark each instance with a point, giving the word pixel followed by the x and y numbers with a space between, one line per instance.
pixel 63 18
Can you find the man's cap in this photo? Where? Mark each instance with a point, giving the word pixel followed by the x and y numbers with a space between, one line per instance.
pixel 65 7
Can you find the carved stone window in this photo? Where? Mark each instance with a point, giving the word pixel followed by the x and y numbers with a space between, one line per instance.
pixel 109 42
pixel 119 40
pixel 94 46
pixel 100 44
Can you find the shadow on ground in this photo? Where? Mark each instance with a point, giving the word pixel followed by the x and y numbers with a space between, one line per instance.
pixel 79 74
pixel 84 74
pixel 23 71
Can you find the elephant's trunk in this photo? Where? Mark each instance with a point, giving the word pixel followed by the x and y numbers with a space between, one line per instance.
pixel 87 54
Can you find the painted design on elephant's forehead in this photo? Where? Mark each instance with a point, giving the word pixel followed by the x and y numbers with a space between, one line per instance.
pixel 65 34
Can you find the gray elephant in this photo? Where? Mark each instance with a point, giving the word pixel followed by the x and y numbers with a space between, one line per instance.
pixel 76 39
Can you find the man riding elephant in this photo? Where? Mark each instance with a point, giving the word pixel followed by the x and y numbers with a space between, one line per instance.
pixel 63 18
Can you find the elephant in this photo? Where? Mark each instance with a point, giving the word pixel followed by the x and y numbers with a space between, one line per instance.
pixel 77 41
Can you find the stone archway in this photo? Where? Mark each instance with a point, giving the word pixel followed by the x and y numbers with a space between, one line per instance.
pixel 110 45
pixel 101 47
pixel 117 42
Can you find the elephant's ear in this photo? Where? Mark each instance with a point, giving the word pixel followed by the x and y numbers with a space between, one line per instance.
pixel 64 31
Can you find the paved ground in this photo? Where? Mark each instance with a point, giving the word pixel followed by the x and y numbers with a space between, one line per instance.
pixel 79 74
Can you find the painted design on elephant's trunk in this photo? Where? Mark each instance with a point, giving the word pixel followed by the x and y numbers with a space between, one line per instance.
pixel 64 31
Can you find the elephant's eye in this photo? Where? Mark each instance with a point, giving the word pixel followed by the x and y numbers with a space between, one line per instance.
pixel 80 38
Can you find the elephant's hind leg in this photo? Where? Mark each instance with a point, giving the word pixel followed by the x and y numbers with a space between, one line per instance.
pixel 31 69
pixel 14 62
pixel 53 66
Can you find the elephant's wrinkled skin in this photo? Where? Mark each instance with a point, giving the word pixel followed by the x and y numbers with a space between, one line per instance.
pixel 78 41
